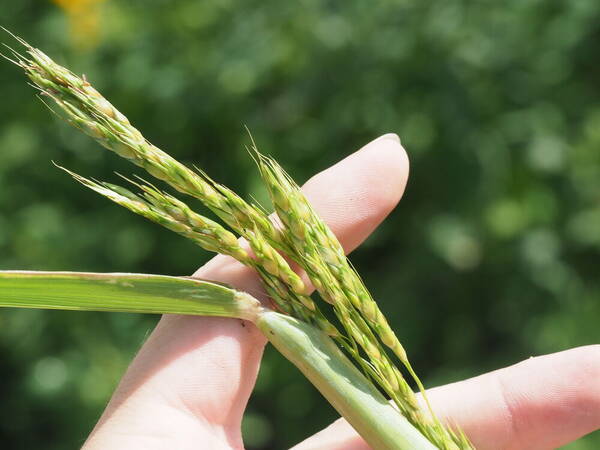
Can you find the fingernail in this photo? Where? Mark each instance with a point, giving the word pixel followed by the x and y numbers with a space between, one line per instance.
pixel 390 136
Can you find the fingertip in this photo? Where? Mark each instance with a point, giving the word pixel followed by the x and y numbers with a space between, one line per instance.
pixel 357 193
pixel 387 165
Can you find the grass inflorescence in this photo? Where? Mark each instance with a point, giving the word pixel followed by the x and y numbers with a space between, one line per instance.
pixel 319 253
pixel 304 237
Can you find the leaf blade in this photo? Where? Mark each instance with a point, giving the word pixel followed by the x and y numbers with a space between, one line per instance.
pixel 123 292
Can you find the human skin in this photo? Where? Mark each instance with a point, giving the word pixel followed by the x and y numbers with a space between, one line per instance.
pixel 189 384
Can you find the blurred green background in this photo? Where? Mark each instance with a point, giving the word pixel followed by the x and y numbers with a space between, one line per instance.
pixel 489 259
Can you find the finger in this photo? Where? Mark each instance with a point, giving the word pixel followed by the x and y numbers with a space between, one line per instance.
pixel 353 197
pixel 540 403
pixel 356 194
pixel 206 366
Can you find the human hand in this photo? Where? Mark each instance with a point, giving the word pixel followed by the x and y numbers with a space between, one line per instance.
pixel 190 383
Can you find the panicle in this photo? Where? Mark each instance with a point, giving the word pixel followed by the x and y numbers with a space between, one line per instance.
pixel 317 250
pixel 305 238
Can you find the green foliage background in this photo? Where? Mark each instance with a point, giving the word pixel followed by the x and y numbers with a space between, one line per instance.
pixel 492 256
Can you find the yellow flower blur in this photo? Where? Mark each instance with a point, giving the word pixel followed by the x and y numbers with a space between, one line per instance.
pixel 84 20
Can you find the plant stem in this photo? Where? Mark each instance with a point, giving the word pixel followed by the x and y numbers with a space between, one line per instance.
pixel 341 383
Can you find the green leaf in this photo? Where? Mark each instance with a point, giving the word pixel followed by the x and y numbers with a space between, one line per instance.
pixel 311 350
pixel 141 293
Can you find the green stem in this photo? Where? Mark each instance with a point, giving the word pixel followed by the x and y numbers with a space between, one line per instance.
pixel 341 383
